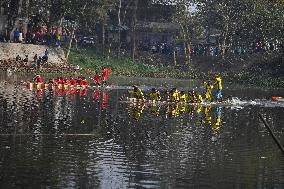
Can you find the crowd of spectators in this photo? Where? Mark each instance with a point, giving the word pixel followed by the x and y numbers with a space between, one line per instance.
pixel 54 36
pixel 41 36
pixel 211 50
pixel 37 62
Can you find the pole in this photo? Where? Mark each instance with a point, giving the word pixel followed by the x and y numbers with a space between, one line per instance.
pixel 175 59
pixel 271 133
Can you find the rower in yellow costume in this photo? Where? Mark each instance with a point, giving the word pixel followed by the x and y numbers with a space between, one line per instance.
pixel 198 99
pixel 154 95
pixel 174 95
pixel 183 100
pixel 204 87
pixel 190 97
pixel 208 93
pixel 219 87
pixel 183 97
pixel 137 93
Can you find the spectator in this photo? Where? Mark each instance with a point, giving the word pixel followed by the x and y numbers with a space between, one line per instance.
pixel 18 58
pixel 28 37
pixel 48 38
pixel 53 38
pixel 211 51
pixel 35 59
pixel 77 68
pixel 154 49
pixel 46 52
pixel 16 35
pixel 26 59
pixel 20 36
pixel 45 58
pixel 57 39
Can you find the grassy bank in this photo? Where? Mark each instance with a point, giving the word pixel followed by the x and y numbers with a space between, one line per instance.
pixel 90 61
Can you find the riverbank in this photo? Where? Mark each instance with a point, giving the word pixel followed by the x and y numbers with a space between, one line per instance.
pixel 257 70
pixel 9 52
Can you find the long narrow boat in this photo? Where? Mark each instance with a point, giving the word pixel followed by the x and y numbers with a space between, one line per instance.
pixel 42 86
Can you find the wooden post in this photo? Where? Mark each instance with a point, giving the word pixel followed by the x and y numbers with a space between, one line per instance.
pixel 175 59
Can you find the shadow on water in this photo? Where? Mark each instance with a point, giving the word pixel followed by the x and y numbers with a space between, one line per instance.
pixel 90 139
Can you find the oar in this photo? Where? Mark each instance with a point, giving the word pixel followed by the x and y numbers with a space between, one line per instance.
pixel 271 133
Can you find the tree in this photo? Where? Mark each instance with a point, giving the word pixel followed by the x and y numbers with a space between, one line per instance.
pixel 243 22
pixel 190 24
pixel 133 29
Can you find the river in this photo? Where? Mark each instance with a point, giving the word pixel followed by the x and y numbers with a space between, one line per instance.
pixel 92 139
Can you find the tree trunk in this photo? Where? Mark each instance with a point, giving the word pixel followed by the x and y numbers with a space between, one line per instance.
pixel 225 39
pixel 189 51
pixel 109 51
pixel 175 58
pixel 134 19
pixel 20 7
pixel 119 26
pixel 70 43
pixel 27 8
pixel 103 38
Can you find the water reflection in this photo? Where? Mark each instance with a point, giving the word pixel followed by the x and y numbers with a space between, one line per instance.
pixel 209 116
pixel 79 139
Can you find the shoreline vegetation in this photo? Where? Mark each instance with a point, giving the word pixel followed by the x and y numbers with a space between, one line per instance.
pixel 247 71
pixel 154 39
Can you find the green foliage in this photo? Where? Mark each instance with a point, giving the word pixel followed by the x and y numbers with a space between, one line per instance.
pixel 244 22
pixel 90 59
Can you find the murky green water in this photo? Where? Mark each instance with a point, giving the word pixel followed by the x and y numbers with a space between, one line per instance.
pixel 92 140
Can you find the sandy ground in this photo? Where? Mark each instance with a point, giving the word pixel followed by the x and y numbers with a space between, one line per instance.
pixel 9 51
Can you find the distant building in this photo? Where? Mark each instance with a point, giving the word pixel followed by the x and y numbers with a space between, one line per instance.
pixel 156 32
pixel 153 27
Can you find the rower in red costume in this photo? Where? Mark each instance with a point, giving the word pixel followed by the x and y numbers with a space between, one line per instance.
pixel 60 83
pixel 60 80
pixel 38 79
pixel 79 81
pixel 72 81
pixel 85 82
pixel 105 74
pixel 97 80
